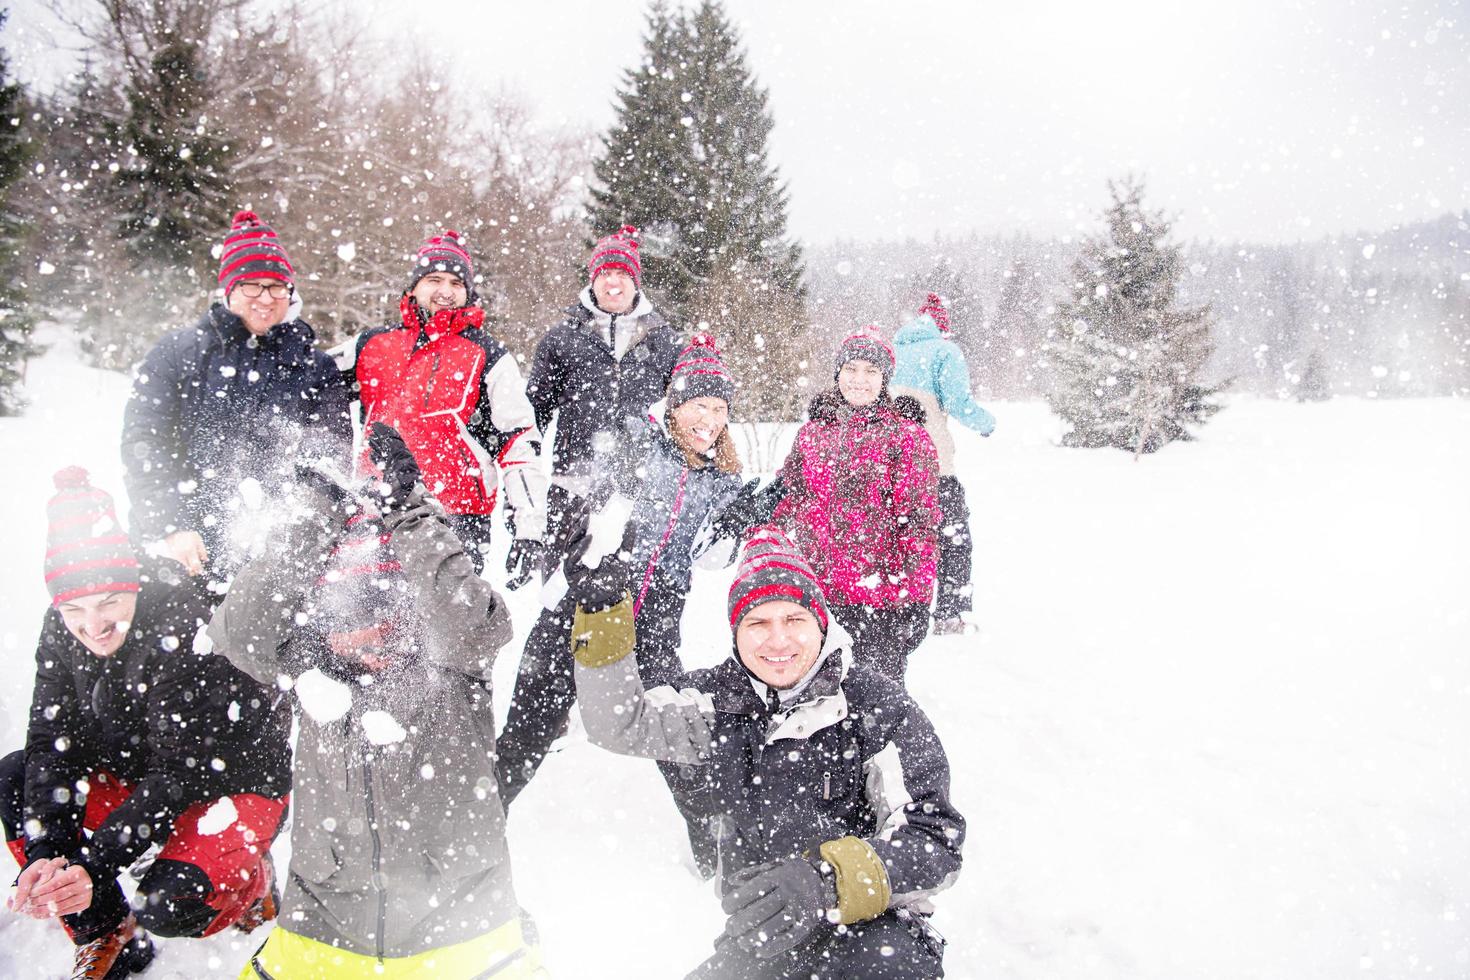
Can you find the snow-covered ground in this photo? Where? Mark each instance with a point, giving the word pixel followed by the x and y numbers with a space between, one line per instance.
pixel 1216 725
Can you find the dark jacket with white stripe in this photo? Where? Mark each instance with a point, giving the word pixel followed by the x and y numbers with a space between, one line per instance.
pixel 850 755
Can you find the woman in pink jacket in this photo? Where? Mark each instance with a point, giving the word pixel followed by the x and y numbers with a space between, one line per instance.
pixel 861 504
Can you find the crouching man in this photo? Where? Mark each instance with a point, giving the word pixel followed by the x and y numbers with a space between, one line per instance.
pixel 372 615
pixel 137 738
pixel 830 785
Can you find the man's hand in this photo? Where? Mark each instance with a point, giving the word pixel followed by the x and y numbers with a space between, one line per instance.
pixel 186 548
pixel 595 589
pixel 50 888
pixel 524 560
pixel 394 460
pixel 776 906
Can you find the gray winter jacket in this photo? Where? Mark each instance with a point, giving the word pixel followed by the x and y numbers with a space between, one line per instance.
pixel 398 838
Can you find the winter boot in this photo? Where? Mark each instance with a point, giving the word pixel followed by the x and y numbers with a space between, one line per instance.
pixel 954 626
pixel 126 949
pixel 265 908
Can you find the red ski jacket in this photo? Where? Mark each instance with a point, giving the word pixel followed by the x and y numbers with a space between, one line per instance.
pixel 456 396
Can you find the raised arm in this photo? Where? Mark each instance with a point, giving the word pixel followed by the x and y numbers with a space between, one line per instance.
pixel 618 713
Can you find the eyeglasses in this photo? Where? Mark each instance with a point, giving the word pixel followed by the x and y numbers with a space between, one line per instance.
pixel 252 290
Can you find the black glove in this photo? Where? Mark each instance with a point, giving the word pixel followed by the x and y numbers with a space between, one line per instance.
pixel 595 589
pixel 776 906
pixel 525 558
pixel 399 472
pixel 750 508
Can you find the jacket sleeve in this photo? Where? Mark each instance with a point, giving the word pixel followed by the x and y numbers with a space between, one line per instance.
pixel 919 833
pixel 506 425
pixel 915 505
pixel 953 382
pixel 544 386
pixel 465 619
pixel 152 443
pixel 57 750
pixel 257 620
pixel 617 712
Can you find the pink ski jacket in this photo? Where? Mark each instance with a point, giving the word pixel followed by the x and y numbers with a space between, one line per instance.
pixel 861 503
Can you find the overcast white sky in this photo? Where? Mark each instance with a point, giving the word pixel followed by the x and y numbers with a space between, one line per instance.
pixel 1262 120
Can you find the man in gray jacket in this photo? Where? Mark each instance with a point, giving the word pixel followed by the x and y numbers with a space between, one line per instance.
pixel 382 629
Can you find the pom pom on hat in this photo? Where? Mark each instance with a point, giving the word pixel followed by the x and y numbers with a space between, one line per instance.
pixel 934 306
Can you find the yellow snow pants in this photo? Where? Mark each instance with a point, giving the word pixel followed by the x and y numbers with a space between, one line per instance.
pixel 501 954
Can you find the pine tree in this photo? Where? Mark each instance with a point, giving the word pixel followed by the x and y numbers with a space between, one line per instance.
pixel 687 163
pixel 16 318
pixel 1127 355
pixel 644 172
pixel 174 186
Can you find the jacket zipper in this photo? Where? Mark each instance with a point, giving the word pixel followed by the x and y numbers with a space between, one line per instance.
pixel 378 884
pixel 668 533
pixel 612 340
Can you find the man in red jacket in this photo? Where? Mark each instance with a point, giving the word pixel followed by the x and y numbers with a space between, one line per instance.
pixel 456 396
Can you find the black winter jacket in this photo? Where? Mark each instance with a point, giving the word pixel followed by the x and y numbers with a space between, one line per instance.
pixel 850 755
pixel 593 394
pixel 181 727
pixel 213 404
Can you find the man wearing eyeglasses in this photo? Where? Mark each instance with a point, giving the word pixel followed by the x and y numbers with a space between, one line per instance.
pixel 217 406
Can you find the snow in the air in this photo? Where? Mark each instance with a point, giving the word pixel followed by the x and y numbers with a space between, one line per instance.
pixel 1216 725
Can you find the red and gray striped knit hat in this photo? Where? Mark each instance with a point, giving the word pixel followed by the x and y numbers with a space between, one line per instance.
pixel 443 253
pixel 252 251
pixel 934 306
pixel 617 251
pixel 771 568
pixel 866 344
pixel 700 373
pixel 87 551
pixel 363 585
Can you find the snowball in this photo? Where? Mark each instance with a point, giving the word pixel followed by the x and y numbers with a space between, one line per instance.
pixel 45 268
pixel 1368 251
pixel 321 697
pixel 252 492
pixel 218 818
pixel 347 251
pixel 382 728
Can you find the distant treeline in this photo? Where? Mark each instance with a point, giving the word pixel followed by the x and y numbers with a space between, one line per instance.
pixel 1384 314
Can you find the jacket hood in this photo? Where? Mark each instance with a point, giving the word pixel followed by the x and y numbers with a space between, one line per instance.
pixel 920 328
pixel 640 309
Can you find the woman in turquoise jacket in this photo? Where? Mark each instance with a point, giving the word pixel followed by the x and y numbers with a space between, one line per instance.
pixel 931 369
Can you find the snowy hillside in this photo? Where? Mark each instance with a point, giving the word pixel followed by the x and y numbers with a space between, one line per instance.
pixel 1217 724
